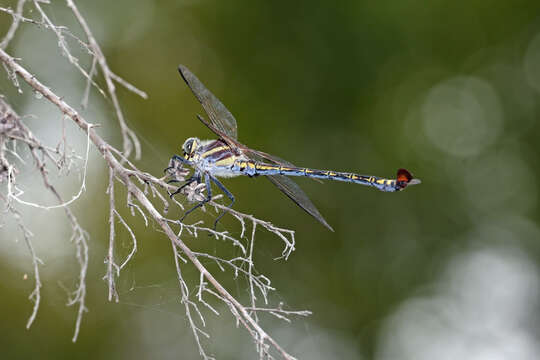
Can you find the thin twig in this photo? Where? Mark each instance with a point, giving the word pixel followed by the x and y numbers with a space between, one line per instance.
pixel 35 295
pixel 63 45
pixel 188 304
pixel 129 86
pixel 130 140
pixel 112 267
pixel 20 131
pixel 66 203
pixel 17 17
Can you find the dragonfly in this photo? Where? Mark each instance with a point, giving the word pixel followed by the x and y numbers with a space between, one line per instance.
pixel 226 157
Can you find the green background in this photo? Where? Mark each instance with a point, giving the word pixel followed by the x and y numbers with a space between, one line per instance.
pixel 448 90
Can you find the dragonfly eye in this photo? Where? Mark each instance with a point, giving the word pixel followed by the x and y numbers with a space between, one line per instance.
pixel 404 179
pixel 190 145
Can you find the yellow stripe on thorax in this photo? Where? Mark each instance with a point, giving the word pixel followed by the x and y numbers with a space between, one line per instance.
pixel 228 161
pixel 215 150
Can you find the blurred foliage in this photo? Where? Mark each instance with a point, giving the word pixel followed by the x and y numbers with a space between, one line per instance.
pixel 448 90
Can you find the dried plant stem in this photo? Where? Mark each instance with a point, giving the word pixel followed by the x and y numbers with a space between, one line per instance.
pixel 112 268
pixel 17 131
pixel 35 295
pixel 125 175
pixel 17 17
pixel 130 139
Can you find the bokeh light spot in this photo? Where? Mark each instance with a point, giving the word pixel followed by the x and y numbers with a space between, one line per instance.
pixel 462 116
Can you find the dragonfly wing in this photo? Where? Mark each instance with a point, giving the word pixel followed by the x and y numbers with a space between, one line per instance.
pixel 220 117
pixel 230 141
pixel 296 194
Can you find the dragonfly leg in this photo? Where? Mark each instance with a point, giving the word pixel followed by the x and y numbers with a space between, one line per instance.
pixel 177 158
pixel 193 178
pixel 208 196
pixel 227 193
pixel 180 158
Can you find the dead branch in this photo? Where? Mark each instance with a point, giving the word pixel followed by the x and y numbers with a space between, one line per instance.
pixel 139 186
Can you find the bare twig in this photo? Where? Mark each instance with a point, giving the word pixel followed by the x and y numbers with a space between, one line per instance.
pixel 129 86
pixel 17 17
pixel 35 295
pixel 80 238
pixel 92 73
pixel 62 43
pixel 188 304
pixel 130 140
pixel 286 235
pixel 250 272
pixel 280 313
pixel 133 238
pixel 63 204
pixel 17 130
pixel 112 268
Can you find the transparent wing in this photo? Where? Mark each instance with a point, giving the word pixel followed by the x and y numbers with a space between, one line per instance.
pixel 220 118
pixel 296 194
pixel 287 186
pixel 254 154
pixel 222 122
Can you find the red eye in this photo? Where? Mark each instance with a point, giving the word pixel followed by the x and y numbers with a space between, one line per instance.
pixel 404 175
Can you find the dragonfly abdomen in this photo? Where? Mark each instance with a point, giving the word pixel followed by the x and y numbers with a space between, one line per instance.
pixel 253 169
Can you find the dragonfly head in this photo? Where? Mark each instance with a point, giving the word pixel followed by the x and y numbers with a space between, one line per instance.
pixel 405 178
pixel 190 146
